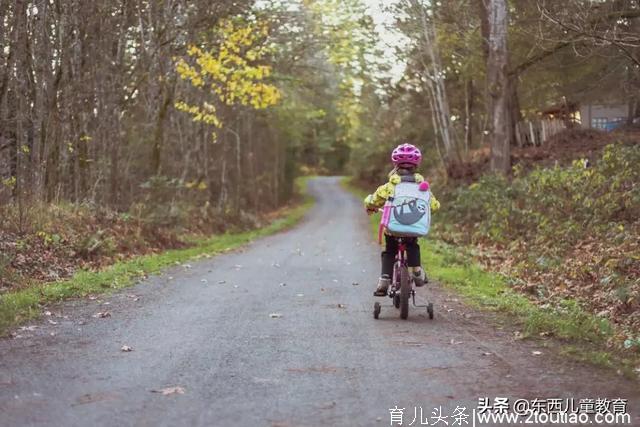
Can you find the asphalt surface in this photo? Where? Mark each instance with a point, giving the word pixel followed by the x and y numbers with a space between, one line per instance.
pixel 280 333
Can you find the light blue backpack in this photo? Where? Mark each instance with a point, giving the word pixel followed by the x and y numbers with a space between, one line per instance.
pixel 408 212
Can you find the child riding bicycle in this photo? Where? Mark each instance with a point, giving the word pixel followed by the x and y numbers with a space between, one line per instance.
pixel 406 158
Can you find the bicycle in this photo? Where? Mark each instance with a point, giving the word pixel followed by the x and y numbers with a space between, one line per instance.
pixel 402 287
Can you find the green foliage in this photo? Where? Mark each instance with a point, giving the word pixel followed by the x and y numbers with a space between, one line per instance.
pixel 566 232
pixel 348 43
pixel 160 205
pixel 96 244
pixel 569 202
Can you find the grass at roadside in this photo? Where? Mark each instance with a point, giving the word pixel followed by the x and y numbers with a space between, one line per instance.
pixel 20 306
pixel 585 335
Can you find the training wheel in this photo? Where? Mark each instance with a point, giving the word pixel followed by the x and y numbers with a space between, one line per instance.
pixel 430 310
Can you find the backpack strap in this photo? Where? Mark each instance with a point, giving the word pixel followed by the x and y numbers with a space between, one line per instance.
pixel 385 217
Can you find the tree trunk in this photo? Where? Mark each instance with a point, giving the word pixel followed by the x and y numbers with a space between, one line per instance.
pixel 437 89
pixel 514 108
pixel 498 86
pixel 468 109
pixel 158 138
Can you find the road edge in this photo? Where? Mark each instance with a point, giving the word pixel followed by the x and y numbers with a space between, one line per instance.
pixel 18 307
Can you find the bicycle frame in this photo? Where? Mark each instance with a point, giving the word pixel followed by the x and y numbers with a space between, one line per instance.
pixel 401 261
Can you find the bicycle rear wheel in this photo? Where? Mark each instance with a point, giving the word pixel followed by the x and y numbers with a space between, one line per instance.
pixel 405 292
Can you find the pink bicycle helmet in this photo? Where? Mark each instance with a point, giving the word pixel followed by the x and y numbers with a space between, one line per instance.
pixel 407 154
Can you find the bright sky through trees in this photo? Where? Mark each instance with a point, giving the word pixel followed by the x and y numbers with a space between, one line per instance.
pixel 389 38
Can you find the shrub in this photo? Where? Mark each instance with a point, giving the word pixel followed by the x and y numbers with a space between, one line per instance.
pixel 558 204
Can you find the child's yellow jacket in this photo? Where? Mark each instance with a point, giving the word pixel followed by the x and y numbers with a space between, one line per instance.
pixel 378 199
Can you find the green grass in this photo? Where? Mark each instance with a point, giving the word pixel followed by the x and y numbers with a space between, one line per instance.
pixel 455 268
pixel 489 290
pixel 20 306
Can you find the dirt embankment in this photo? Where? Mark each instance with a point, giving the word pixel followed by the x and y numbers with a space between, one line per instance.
pixel 561 149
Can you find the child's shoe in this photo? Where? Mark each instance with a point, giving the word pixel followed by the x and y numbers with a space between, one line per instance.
pixel 383 286
pixel 419 277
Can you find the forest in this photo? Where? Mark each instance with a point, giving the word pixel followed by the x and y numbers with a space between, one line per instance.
pixel 116 103
pixel 127 125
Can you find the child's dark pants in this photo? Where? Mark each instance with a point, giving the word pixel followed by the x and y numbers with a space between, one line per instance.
pixel 391 250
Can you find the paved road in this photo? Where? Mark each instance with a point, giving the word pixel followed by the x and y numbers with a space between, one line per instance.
pixel 208 329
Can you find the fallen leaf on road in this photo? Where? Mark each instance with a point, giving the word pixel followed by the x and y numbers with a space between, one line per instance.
pixel 328 405
pixel 126 348
pixel 90 398
pixel 316 369
pixel 169 390
pixel 102 315
pixel 536 353
pixel 275 315
pixel 412 343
